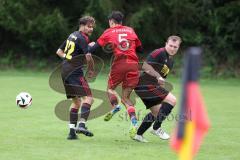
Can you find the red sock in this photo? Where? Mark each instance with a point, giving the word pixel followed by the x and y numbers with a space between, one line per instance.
pixel 113 99
pixel 131 111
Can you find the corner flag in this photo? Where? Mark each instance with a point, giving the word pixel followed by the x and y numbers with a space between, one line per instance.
pixel 193 123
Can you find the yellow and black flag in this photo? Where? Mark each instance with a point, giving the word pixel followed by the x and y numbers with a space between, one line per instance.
pixel 193 123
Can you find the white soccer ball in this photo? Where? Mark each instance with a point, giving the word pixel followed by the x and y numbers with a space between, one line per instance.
pixel 23 100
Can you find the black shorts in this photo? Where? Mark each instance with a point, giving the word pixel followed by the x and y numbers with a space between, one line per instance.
pixel 151 95
pixel 75 84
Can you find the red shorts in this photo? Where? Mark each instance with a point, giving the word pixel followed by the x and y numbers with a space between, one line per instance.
pixel 125 73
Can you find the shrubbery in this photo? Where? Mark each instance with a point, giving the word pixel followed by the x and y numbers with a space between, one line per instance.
pixel 33 29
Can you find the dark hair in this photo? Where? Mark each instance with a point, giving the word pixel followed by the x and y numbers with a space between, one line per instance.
pixel 86 20
pixel 116 16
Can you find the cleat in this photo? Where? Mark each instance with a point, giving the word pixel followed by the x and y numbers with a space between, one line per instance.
pixel 133 132
pixel 160 133
pixel 72 135
pixel 108 116
pixel 85 131
pixel 140 138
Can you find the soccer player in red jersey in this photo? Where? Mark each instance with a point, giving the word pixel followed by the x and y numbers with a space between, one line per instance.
pixel 124 43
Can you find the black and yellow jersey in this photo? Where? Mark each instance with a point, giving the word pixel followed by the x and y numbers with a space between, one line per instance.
pixel 76 44
pixel 75 48
pixel 161 62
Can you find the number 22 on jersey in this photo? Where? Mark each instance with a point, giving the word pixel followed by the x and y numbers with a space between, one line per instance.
pixel 69 48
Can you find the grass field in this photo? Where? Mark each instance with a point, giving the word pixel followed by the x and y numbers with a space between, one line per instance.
pixel 37 134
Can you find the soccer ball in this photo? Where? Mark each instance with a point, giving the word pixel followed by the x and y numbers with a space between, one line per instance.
pixel 23 100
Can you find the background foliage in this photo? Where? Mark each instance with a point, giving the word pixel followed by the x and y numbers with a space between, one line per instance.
pixel 32 30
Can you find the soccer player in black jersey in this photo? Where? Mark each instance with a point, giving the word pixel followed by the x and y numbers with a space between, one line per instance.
pixel 151 88
pixel 73 50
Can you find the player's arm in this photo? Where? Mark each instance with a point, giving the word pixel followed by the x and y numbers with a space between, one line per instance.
pixel 93 47
pixel 150 70
pixel 60 51
pixel 101 41
pixel 90 62
pixel 147 67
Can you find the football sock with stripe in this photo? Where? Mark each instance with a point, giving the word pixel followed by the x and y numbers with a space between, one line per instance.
pixel 85 111
pixel 132 115
pixel 73 117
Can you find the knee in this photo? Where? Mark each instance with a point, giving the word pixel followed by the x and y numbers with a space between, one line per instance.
pixel 76 104
pixel 155 109
pixel 171 99
pixel 155 114
pixel 89 100
pixel 174 100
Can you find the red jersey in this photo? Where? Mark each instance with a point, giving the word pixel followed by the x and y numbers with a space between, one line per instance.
pixel 123 40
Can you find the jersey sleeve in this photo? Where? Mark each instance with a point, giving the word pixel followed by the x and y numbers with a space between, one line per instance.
pixel 62 46
pixel 82 43
pixel 154 57
pixel 102 39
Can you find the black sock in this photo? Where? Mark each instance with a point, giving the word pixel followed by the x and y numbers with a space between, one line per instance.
pixel 146 123
pixel 73 116
pixel 72 131
pixel 85 111
pixel 82 125
pixel 164 111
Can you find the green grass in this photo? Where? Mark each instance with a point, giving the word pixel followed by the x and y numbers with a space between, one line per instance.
pixel 37 134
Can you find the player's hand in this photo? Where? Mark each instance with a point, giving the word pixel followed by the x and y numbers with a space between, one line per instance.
pixel 90 74
pixel 161 81
pixel 91 44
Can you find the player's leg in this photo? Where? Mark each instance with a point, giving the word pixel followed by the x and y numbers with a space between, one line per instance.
pixel 130 81
pixel 84 92
pixel 152 96
pixel 167 105
pixel 112 95
pixel 115 78
pixel 145 125
pixel 125 99
pixel 85 111
pixel 69 82
pixel 153 105
pixel 73 118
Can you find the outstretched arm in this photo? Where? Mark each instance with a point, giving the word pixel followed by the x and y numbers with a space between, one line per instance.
pixel 92 47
